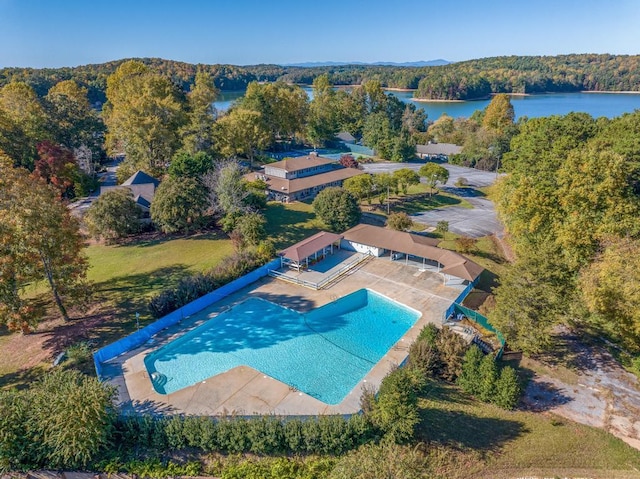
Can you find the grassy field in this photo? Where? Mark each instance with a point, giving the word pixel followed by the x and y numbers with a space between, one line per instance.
pixel 124 277
pixel 289 223
pixel 486 438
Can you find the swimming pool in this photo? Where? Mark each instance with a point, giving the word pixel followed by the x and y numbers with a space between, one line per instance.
pixel 324 353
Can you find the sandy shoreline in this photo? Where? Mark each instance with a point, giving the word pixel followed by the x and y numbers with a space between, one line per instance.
pixel 432 100
pixel 612 92
pixel 399 89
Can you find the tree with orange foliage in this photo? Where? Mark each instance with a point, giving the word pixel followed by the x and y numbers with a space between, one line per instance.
pixel 39 240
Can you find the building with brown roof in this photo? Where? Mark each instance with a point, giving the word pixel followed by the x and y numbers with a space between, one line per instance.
pixel 321 243
pixel 380 241
pixel 303 177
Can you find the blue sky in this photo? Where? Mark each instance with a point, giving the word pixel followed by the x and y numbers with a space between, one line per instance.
pixel 52 33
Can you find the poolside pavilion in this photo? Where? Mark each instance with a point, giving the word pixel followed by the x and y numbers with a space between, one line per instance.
pixel 417 249
pixel 310 249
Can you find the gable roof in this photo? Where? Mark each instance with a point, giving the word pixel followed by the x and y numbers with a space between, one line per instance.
pixel 438 149
pixel 346 137
pixel 142 201
pixel 310 245
pixel 285 186
pixel 300 163
pixel 140 178
pixel 452 263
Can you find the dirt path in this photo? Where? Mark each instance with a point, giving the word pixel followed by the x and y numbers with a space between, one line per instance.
pixel 597 391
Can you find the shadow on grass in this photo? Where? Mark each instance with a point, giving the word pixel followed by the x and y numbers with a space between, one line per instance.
pixel 425 203
pixel 287 226
pixel 119 300
pixel 21 379
pixel 157 238
pixel 464 192
pixel 450 423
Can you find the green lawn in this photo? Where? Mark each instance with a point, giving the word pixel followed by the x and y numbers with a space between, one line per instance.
pixel 487 438
pixel 126 276
pixel 288 223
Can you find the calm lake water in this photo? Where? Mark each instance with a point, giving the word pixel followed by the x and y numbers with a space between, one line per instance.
pixel 596 104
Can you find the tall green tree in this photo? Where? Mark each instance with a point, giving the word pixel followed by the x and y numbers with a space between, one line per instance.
pixel 113 215
pixel 378 135
pixel 72 119
pixel 610 286
pixel 25 123
pixel 434 174
pixel 179 204
pixel 535 294
pixel 144 114
pixel 360 186
pixel 405 178
pixel 283 108
pixel 337 208
pixel 322 120
pixel 192 165
pixel 43 243
pixel 197 133
pixel 499 114
pixel 242 132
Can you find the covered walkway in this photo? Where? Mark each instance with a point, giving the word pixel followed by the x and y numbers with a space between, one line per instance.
pixel 411 247
pixel 310 250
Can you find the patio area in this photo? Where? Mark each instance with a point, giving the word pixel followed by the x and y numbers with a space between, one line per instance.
pixel 323 272
pixel 246 391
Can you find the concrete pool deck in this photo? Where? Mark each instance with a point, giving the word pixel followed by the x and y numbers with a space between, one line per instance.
pixel 244 391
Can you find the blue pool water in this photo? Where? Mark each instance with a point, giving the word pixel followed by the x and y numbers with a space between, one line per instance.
pixel 324 353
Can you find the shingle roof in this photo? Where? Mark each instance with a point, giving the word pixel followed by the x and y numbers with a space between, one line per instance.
pixel 140 178
pixel 453 263
pixel 309 246
pixel 299 184
pixel 346 137
pixel 142 201
pixel 300 163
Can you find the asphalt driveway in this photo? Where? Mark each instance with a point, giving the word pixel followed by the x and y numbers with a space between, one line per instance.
pixel 481 220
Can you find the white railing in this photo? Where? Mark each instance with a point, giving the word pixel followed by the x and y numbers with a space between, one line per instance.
pixel 324 281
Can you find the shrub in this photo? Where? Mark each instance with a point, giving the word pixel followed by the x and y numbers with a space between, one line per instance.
pixel 465 245
pixel 199 284
pixel 382 461
pixel 266 435
pixel 399 221
pixel 488 375
pixel 469 377
pixel 63 420
pixel 348 161
pixel 396 409
pixel 451 350
pixel 442 227
pixel 113 215
pixel 461 182
pixel 507 389
pixel 79 355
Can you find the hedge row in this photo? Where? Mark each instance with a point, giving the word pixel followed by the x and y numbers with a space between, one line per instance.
pixel 193 287
pixel 268 435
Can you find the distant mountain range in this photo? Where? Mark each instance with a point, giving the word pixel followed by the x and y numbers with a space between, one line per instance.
pixel 430 63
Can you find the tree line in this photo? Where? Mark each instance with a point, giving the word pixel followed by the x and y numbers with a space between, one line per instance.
pixel 570 202
pixel 463 80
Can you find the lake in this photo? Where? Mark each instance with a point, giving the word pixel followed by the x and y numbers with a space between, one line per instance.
pixel 596 104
